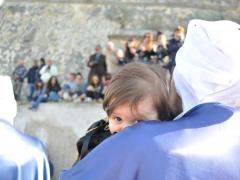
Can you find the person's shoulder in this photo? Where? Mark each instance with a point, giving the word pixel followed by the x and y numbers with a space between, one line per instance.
pixel 135 138
pixel 20 139
pixel 211 110
pixel 103 55
pixel 145 132
pixel 92 55
pixel 31 141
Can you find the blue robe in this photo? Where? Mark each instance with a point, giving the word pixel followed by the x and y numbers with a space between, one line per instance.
pixel 22 157
pixel 203 144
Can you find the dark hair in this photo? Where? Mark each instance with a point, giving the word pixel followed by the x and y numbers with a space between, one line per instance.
pixel 127 52
pixel 43 60
pixel 107 76
pixel 36 84
pixel 73 74
pixel 136 81
pixel 78 73
pixel 91 80
pixel 49 85
pixel 159 33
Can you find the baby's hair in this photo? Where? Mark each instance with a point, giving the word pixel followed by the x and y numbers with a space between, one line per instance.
pixel 135 82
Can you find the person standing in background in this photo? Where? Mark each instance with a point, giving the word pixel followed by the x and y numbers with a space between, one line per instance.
pixel 48 71
pixel 162 50
pixel 97 64
pixel 18 76
pixel 173 45
pixel 112 64
pixel 32 76
pixel 42 63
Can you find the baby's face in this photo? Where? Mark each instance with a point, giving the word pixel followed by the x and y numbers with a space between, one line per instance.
pixel 122 116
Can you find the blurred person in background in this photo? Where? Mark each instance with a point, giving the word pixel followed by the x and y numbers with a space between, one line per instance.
pixel 22 157
pixel 97 63
pixel 112 64
pixel 32 77
pixel 48 70
pixel 146 49
pixel 173 45
pixel 94 89
pixel 131 50
pixel 69 87
pixel 18 76
pixel 162 49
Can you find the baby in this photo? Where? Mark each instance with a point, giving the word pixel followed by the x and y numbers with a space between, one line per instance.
pixel 139 92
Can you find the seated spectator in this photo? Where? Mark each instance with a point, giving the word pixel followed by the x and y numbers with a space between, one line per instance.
pixel 80 91
pixel 146 51
pixel 162 50
pixel 94 89
pixel 69 87
pixel 131 51
pixel 18 76
pixel 39 95
pixel 53 89
pixel 51 92
pixel 105 82
pixel 22 157
pixel 32 76
pixel 120 57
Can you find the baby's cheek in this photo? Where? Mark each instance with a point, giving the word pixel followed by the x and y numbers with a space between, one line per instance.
pixel 112 126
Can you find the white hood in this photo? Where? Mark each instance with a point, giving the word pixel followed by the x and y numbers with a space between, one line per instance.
pixel 208 64
pixel 8 106
pixel 1 2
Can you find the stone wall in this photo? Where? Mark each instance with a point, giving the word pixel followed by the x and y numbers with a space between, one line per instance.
pixel 67 31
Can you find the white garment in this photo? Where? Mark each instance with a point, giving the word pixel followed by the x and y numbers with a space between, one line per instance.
pixel 8 105
pixel 46 73
pixel 1 2
pixel 111 61
pixel 208 64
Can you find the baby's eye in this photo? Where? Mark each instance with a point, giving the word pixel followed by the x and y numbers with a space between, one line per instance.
pixel 118 119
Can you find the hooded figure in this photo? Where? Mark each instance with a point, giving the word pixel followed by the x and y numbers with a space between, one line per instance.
pixel 22 157
pixel 208 65
pixel 204 143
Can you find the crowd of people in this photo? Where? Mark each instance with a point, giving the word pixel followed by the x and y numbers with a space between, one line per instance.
pixel 42 77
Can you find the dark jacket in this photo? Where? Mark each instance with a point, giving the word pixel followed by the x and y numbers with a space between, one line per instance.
pixel 161 52
pixel 173 46
pixel 97 64
pixel 56 89
pixel 32 75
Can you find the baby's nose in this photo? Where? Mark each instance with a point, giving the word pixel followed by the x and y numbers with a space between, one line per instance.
pixel 115 129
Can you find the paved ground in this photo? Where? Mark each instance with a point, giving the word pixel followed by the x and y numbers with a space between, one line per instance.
pixel 59 126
